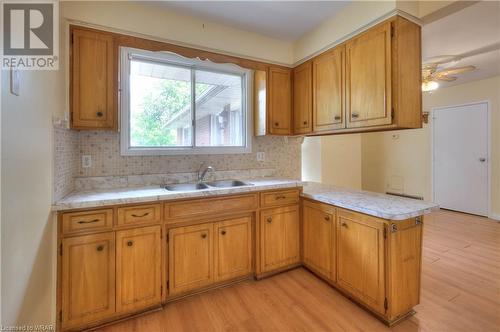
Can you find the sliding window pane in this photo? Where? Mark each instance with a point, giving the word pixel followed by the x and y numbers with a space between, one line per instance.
pixel 219 112
pixel 160 105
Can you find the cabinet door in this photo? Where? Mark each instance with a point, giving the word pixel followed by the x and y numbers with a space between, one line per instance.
pixel 138 268
pixel 279 238
pixel 319 239
pixel 93 82
pixel 88 279
pixel 280 101
pixel 361 258
pixel 190 258
pixel 233 248
pixel 368 77
pixel 302 99
pixel 328 90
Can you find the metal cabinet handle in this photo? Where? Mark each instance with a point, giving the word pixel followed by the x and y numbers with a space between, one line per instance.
pixel 223 232
pixel 305 123
pixel 136 216
pixel 99 114
pixel 269 220
pixel 130 243
pixel 482 160
pixel 337 117
pixel 276 124
pixel 203 235
pixel 343 224
pixel 327 218
pixel 354 115
pixel 88 221
pixel 280 197
pixel 100 248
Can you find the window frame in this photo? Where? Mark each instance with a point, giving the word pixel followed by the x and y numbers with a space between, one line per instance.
pixel 127 54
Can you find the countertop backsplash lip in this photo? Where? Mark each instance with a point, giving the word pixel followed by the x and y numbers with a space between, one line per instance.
pixel 145 180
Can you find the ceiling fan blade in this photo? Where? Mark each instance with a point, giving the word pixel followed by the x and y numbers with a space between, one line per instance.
pixel 446 78
pixel 454 71
pixel 441 59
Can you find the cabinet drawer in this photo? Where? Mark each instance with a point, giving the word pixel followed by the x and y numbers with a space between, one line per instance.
pixel 74 222
pixel 211 206
pixel 139 214
pixel 281 197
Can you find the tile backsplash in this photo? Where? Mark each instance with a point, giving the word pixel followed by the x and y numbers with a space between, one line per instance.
pixel 66 160
pixel 282 154
pixel 282 159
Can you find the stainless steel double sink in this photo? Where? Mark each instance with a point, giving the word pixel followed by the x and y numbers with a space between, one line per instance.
pixel 206 185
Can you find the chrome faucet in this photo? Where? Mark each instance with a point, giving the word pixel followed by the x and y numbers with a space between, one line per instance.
pixel 201 174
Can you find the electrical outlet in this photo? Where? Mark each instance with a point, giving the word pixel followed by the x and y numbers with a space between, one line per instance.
pixel 86 161
pixel 261 156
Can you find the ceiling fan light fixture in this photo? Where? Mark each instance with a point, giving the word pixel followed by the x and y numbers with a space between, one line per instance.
pixel 429 86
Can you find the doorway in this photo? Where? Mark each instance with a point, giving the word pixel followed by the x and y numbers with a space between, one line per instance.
pixel 461 160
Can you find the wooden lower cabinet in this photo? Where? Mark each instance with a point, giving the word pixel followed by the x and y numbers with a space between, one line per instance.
pixel 119 272
pixel 87 279
pixel 404 261
pixel 138 268
pixel 319 253
pixel 212 252
pixel 361 258
pixel 190 258
pixel 233 248
pixel 279 238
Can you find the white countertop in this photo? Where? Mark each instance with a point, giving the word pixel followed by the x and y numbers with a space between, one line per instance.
pixel 379 205
pixel 375 204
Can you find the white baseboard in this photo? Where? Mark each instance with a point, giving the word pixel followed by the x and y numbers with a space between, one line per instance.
pixel 494 216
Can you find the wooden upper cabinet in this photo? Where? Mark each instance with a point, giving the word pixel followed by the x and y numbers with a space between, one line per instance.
pixel 87 279
pixel 233 248
pixel 302 99
pixel 368 78
pixel 328 90
pixel 361 257
pixel 191 258
pixel 319 238
pixel 280 101
pixel 138 268
pixel 279 238
pixel 94 95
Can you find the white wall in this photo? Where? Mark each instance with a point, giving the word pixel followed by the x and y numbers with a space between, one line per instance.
pixel 404 164
pixel 27 227
pixel 333 160
pixel 153 20
pixel 351 18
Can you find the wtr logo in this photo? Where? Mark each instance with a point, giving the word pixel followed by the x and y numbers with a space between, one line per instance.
pixel 30 34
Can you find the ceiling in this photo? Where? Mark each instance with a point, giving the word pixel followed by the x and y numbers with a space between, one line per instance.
pixel 285 20
pixel 472 33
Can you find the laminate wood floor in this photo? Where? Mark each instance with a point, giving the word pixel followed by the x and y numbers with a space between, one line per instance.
pixel 460 292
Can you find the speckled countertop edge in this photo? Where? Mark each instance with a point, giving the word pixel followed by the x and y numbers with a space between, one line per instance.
pixel 374 204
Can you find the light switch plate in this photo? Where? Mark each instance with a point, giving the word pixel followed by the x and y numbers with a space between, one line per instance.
pixel 261 156
pixel 15 77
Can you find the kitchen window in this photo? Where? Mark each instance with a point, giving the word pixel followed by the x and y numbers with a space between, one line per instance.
pixel 175 105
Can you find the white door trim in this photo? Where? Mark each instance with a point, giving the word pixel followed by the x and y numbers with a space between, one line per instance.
pixel 488 157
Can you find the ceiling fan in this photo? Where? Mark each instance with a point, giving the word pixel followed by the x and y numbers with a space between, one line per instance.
pixel 432 71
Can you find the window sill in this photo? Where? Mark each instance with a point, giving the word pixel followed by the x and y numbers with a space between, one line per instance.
pixel 184 151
